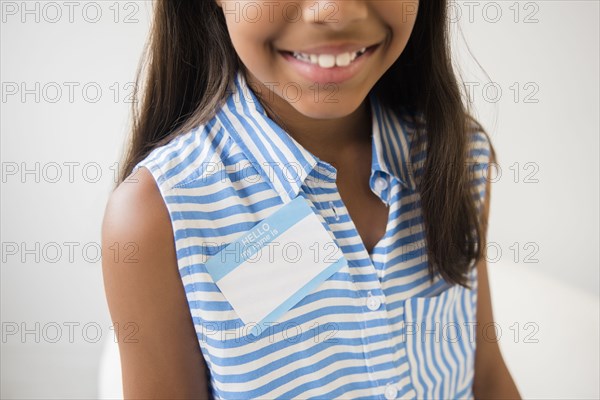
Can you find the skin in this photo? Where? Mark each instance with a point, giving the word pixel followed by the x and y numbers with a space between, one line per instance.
pixel 492 379
pixel 160 354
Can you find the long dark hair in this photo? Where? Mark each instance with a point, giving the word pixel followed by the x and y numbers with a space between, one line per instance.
pixel 189 62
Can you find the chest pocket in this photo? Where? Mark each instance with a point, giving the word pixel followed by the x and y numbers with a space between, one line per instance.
pixel 440 343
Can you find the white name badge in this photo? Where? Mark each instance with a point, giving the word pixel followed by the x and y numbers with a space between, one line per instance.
pixel 270 268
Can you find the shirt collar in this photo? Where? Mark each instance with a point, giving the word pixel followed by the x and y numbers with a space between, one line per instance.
pixel 391 144
pixel 284 163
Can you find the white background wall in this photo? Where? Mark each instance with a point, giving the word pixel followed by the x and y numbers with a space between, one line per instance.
pixel 548 212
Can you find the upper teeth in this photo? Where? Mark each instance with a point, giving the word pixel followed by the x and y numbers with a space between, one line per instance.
pixel 330 60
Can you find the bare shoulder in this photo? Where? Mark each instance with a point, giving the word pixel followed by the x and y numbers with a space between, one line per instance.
pixel 160 353
pixel 138 246
pixel 134 207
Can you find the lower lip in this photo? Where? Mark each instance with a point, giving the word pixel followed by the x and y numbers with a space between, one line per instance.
pixel 314 73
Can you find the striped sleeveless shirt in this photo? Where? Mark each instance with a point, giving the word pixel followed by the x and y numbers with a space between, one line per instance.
pixel 378 328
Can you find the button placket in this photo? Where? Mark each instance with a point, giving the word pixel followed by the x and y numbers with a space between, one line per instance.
pixel 370 292
pixel 367 344
pixel 324 210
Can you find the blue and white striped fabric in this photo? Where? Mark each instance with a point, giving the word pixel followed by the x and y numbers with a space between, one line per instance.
pixel 378 328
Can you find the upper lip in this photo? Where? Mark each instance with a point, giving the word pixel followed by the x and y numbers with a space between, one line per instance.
pixel 333 48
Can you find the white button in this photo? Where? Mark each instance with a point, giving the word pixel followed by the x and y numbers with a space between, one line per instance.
pixel 380 183
pixel 373 303
pixel 391 392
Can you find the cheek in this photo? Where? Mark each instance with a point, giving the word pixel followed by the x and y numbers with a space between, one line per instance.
pixel 252 30
pixel 257 56
pixel 400 17
pixel 399 42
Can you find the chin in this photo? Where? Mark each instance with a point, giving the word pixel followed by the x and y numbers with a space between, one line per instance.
pixel 327 110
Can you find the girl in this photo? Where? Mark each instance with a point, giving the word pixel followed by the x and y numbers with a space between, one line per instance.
pixel 306 196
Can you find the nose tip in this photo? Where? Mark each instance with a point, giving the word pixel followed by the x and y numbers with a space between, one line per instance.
pixel 335 14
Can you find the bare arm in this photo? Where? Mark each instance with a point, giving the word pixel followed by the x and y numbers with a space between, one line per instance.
pixel 163 358
pixel 492 378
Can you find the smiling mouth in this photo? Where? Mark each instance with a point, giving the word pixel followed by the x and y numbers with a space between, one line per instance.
pixel 330 60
